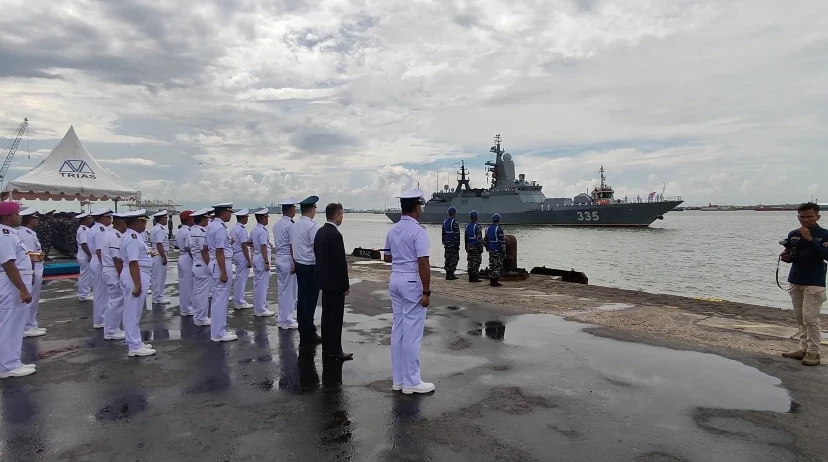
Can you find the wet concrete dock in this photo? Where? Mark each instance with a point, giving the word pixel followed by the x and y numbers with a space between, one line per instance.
pixel 511 386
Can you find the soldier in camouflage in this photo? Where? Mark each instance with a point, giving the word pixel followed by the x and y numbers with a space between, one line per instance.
pixel 451 243
pixel 495 242
pixel 474 247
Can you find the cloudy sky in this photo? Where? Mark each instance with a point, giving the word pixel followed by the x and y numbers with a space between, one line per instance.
pixel 256 100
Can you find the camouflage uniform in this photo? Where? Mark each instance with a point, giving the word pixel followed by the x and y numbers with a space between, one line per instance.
pixel 496 244
pixel 451 244
pixel 44 233
pixel 474 250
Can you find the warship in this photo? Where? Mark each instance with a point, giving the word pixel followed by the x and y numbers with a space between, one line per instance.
pixel 522 202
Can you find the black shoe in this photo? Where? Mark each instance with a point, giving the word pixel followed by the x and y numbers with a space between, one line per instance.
pixel 450 276
pixel 310 338
pixel 341 356
pixel 494 283
pixel 474 279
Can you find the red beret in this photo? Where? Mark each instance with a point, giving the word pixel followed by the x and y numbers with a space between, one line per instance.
pixel 8 208
pixel 185 215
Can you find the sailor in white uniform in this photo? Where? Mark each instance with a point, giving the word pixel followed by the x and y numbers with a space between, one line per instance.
pixel 185 264
pixel 135 278
pixel 15 285
pixel 100 298
pixel 112 267
pixel 85 280
pixel 260 240
pixel 161 248
pixel 202 279
pixel 28 236
pixel 242 262
pixel 218 245
pixel 285 270
pixel 406 248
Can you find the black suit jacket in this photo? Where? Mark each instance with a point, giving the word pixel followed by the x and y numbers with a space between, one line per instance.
pixel 331 266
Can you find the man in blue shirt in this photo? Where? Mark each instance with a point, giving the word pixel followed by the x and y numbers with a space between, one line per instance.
pixel 451 243
pixel 807 251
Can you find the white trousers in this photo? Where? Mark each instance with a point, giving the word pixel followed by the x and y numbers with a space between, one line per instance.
pixel 99 295
pixel 288 289
pixel 134 307
pixel 261 282
pixel 185 283
pixel 407 328
pixel 240 278
pixel 115 309
pixel 221 298
pixel 31 308
pixel 202 288
pixel 159 279
pixel 85 280
pixel 12 321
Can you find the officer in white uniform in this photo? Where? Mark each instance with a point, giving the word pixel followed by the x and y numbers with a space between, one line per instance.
pixel 185 264
pixel 100 299
pixel 202 279
pixel 111 273
pixel 302 235
pixel 161 249
pixel 240 241
pixel 260 245
pixel 28 236
pixel 15 286
pixel 135 278
pixel 285 270
pixel 84 256
pixel 218 245
pixel 406 248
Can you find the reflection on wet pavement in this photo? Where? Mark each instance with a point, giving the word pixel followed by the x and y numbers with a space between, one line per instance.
pixel 509 387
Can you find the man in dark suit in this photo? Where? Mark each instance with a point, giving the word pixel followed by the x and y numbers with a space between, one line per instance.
pixel 332 280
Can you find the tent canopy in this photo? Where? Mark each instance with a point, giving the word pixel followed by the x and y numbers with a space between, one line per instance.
pixel 69 172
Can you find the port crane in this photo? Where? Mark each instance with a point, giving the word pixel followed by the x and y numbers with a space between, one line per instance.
pixel 12 150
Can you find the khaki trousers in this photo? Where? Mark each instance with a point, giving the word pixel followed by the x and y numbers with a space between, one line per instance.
pixel 807 301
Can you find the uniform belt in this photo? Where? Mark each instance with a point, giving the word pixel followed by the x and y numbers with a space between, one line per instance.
pixel 404 272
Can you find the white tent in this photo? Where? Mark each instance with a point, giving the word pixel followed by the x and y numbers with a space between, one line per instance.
pixel 69 172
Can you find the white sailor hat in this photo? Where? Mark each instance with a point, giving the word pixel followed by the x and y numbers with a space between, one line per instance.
pixel 223 205
pixel 82 215
pixel 140 213
pixel 28 211
pixel 101 212
pixel 160 214
pixel 289 201
pixel 241 213
pixel 121 215
pixel 201 212
pixel 413 194
pixel 262 212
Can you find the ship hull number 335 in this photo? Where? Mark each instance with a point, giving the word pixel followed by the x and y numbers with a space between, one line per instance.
pixel 588 216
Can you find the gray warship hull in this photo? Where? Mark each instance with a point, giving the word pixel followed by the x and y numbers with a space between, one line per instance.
pixel 636 214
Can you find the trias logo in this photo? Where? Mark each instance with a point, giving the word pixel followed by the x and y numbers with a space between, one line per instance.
pixel 76 169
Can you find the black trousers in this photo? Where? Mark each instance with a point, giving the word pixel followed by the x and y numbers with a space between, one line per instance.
pixel 333 310
pixel 307 296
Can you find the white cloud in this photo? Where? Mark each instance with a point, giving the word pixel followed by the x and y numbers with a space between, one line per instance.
pixel 717 101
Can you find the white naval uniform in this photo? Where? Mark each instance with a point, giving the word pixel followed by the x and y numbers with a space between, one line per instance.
pixel 239 239
pixel 185 270
pixel 407 241
pixel 261 276
pixel 218 238
pixel 85 280
pixel 110 250
pixel 284 261
pixel 12 312
pixel 133 249
pixel 202 279
pixel 32 244
pixel 159 269
pixel 99 295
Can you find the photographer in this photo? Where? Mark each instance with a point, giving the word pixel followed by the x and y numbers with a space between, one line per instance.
pixel 806 249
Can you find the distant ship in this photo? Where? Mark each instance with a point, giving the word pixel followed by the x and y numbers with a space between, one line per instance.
pixel 272 209
pixel 521 202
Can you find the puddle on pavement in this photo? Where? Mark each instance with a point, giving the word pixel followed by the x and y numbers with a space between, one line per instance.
pixel 122 409
pixel 668 378
pixel 494 330
pixel 382 294
pixel 615 307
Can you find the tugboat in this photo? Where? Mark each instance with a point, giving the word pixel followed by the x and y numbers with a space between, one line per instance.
pixel 519 201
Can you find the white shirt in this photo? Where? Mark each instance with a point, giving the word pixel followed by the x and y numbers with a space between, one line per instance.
pixel 32 243
pixel 407 241
pixel 12 248
pixel 259 237
pixel 197 241
pixel 238 238
pixel 182 240
pixel 303 233
pixel 217 238
pixel 132 249
pixel 92 235
pixel 82 236
pixel 111 247
pixel 159 236
pixel 282 231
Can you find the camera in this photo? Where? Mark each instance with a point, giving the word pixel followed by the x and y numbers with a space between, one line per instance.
pixel 789 254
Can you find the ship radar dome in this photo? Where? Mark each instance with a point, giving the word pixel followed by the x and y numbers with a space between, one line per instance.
pixel 507 157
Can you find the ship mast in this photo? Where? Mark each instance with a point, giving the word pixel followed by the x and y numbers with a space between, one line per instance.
pixel 462 181
pixel 497 165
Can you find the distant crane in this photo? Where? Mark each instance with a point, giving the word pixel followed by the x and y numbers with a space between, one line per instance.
pixel 13 149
